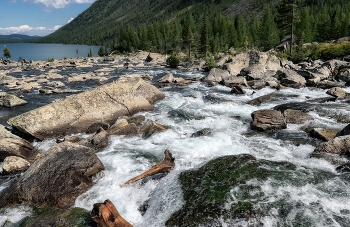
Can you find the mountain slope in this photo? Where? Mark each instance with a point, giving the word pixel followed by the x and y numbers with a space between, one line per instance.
pixel 102 20
pixel 161 25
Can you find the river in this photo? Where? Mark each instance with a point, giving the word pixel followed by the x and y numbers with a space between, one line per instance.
pixel 44 51
pixel 186 110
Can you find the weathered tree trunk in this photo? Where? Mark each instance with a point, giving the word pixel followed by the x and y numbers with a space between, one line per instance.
pixel 164 166
pixel 106 215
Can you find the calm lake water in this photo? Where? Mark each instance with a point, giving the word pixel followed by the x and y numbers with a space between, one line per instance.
pixel 44 51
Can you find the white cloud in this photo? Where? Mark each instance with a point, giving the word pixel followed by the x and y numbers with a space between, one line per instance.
pixel 70 20
pixel 59 3
pixel 28 30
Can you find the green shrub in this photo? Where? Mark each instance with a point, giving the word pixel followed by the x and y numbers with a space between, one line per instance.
pixel 173 61
pixel 210 64
pixel 50 59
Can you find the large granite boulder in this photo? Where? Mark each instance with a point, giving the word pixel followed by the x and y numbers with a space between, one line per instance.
pixel 264 120
pixel 77 113
pixel 12 145
pixel 8 100
pixel 56 179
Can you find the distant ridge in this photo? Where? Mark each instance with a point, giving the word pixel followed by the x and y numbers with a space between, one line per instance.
pixel 17 37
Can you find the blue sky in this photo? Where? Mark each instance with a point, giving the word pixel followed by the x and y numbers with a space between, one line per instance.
pixel 38 17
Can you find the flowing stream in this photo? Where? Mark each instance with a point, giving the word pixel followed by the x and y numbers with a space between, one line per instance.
pixel 186 110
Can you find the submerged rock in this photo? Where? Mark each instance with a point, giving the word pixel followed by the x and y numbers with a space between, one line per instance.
pixel 77 217
pixel 77 113
pixel 242 189
pixel 56 179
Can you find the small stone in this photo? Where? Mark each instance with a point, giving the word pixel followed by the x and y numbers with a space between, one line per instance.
pixel 14 164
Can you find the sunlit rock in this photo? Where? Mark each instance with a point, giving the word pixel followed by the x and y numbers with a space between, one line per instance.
pixel 77 113
pixel 8 100
pixel 12 145
pixel 264 120
pixel 14 164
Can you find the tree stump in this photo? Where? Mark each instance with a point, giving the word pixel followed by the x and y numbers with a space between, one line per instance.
pixel 164 166
pixel 106 215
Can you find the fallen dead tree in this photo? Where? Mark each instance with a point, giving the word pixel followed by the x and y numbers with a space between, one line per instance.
pixel 164 166
pixel 106 215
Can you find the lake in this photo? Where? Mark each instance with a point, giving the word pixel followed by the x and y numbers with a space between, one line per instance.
pixel 44 51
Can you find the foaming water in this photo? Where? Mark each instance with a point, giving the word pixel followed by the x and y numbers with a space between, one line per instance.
pixel 186 110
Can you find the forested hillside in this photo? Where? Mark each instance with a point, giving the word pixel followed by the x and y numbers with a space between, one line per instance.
pixel 203 25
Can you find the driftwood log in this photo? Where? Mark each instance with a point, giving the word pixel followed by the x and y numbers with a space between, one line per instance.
pixel 164 166
pixel 106 215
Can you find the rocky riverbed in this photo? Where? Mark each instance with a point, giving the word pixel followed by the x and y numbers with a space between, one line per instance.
pixel 112 118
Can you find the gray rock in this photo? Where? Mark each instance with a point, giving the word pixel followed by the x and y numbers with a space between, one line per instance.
pixel 8 100
pixel 216 75
pixel 56 179
pixel 235 81
pixel 56 84
pixel 12 145
pixel 337 92
pixel 324 134
pixel 291 78
pixel 264 120
pixel 237 63
pixel 150 128
pixel 77 113
pixel 14 164
pixel 263 99
pixel 344 76
pixel 127 130
pixel 202 132
pixel 168 78
pixel 339 145
pixel 238 90
pixel 98 141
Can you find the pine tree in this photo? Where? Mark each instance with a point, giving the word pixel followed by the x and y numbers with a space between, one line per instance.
pixel 101 52
pixel 7 53
pixel 90 53
pixel 287 18
pixel 204 36
pixel 187 35
pixel 268 31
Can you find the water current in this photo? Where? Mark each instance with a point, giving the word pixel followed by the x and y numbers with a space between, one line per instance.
pixel 186 110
